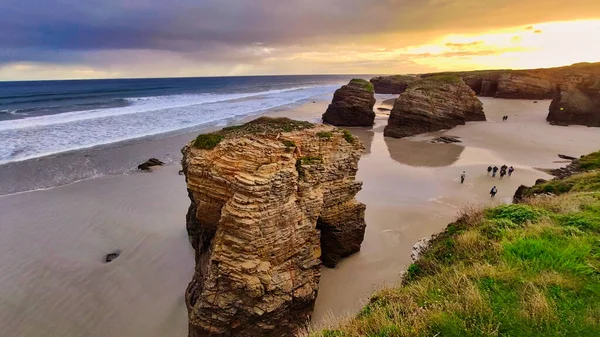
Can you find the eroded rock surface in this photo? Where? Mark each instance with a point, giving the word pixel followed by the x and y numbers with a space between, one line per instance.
pixel 528 83
pixel 432 104
pixel 395 84
pixel 575 106
pixel 269 201
pixel 352 105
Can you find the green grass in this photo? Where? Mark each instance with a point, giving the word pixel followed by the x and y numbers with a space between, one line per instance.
pixel 324 135
pixel 530 269
pixel 207 141
pixel 307 160
pixel 368 86
pixel 348 136
pixel 262 125
pixel 590 162
pixel 584 182
pixel 444 78
pixel 289 145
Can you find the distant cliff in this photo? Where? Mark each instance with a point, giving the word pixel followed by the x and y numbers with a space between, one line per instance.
pixel 527 84
pixel 270 201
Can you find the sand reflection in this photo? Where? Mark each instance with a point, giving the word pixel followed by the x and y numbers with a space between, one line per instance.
pixel 423 154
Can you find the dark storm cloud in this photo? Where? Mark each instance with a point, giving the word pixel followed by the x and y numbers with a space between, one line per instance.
pixel 73 31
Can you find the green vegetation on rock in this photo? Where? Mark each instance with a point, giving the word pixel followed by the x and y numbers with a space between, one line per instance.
pixel 324 135
pixel 529 269
pixel 262 125
pixel 444 78
pixel 289 145
pixel 348 136
pixel 368 86
pixel 590 162
pixel 208 141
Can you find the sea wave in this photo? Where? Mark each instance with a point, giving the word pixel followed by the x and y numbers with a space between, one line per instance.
pixel 138 105
pixel 44 135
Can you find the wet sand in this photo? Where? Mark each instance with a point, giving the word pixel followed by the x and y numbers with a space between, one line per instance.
pixel 52 242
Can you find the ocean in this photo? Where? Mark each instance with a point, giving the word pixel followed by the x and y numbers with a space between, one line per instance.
pixel 39 118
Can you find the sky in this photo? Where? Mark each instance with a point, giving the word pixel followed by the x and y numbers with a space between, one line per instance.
pixel 68 39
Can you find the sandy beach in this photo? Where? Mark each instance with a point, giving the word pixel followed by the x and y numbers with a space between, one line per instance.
pixel 52 241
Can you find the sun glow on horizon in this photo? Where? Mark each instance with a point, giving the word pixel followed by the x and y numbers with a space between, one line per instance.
pixel 540 45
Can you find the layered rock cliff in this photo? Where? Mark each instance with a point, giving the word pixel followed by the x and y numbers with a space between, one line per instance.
pixel 270 200
pixel 572 105
pixel 395 84
pixel 528 83
pixel 432 104
pixel 352 105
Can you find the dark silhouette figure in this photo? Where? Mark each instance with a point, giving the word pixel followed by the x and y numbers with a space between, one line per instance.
pixel 462 177
pixel 489 170
pixel 493 191
pixel 510 171
pixel 494 170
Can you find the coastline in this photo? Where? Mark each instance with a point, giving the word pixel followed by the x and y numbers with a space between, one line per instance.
pixel 410 187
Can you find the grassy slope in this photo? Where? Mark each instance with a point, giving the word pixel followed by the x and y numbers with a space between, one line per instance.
pixel 530 269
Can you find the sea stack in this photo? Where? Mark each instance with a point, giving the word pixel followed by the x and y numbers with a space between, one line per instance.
pixel 270 200
pixel 573 106
pixel 395 84
pixel 433 104
pixel 352 105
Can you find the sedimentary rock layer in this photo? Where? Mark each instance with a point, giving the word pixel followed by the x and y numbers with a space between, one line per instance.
pixel 352 105
pixel 269 201
pixel 395 84
pixel 528 83
pixel 572 105
pixel 432 104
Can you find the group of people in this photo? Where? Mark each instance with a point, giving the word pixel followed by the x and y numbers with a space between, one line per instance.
pixel 504 118
pixel 503 171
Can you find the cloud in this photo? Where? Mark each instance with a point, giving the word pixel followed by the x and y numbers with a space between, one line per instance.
pixel 117 36
pixel 537 31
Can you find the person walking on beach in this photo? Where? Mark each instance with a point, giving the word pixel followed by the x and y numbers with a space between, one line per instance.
pixel 462 177
pixel 494 170
pixel 489 170
pixel 493 191
pixel 503 168
pixel 510 171
pixel 502 173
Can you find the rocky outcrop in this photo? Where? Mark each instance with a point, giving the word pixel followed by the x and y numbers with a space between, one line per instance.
pixel 145 166
pixel 270 200
pixel 518 86
pixel 572 105
pixel 527 84
pixel 352 105
pixel 433 104
pixel 395 84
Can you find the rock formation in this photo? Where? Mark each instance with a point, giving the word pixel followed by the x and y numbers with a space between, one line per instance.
pixel 527 84
pixel 395 84
pixel 572 105
pixel 517 86
pixel 432 104
pixel 269 200
pixel 352 105
pixel 145 166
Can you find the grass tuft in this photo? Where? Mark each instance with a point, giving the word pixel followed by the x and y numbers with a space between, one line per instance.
pixel 366 85
pixel 208 141
pixel 348 136
pixel 324 135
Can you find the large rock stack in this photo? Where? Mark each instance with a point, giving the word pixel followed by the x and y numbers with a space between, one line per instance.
pixel 269 201
pixel 433 104
pixel 579 106
pixel 352 105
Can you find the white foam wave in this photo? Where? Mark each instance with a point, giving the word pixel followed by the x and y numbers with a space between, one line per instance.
pixel 152 116
pixel 138 105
